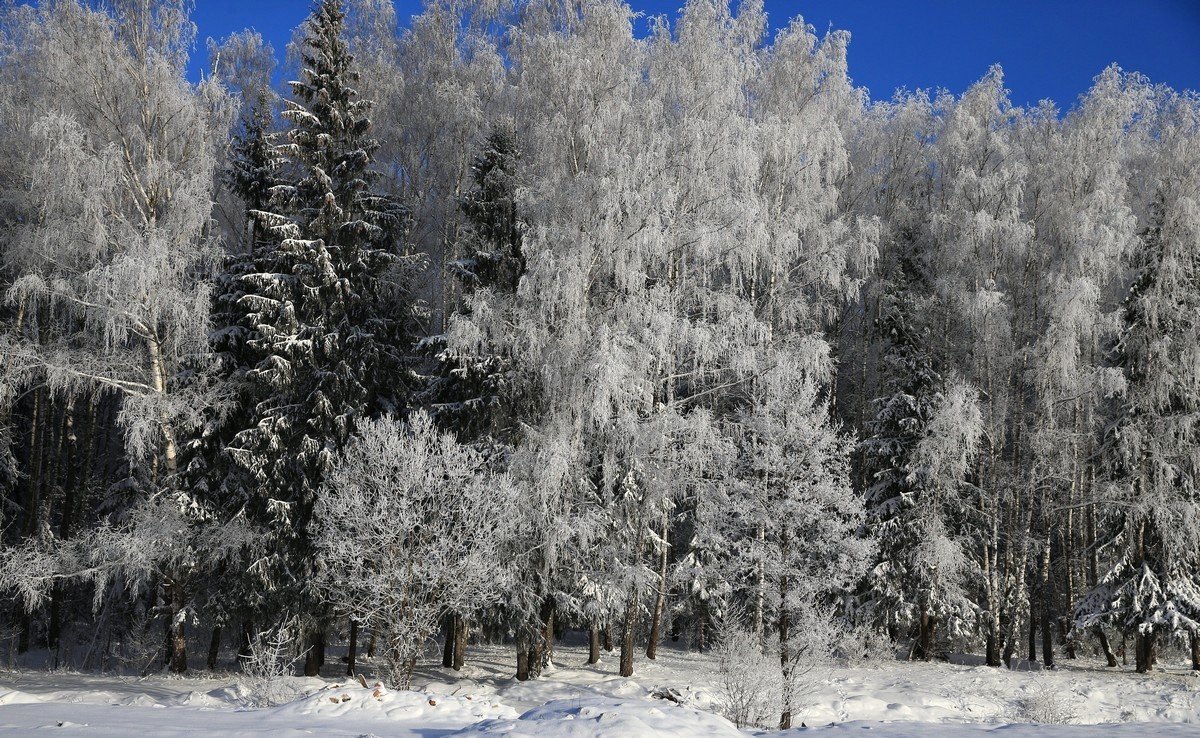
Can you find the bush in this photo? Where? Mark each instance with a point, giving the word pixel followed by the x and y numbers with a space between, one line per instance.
pixel 863 645
pixel 1047 703
pixel 748 679
pixel 266 671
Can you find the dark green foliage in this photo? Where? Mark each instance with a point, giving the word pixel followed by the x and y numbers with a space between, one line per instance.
pixel 468 391
pixel 326 302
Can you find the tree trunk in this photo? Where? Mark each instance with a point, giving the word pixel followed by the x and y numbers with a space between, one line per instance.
pixel 214 648
pixel 178 635
pixel 1194 637
pixel 1144 651
pixel 315 655
pixel 627 636
pixel 549 612
pixel 462 628
pixel 1109 656
pixel 352 652
pixel 522 658
pixel 785 665
pixel 1047 609
pixel 759 595
pixel 991 559
pixel 65 531
pixel 594 644
pixel 247 642
pixel 660 599
pixel 449 632
pixel 159 382
pixel 925 636
pixel 541 640
pixel 1033 619
pixel 608 635
pixel 32 503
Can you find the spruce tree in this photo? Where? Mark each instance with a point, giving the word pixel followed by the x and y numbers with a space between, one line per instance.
pixel 910 585
pixel 1153 446
pixel 468 388
pixel 328 311
pixel 210 471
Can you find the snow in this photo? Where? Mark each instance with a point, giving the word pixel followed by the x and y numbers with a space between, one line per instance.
pixel 600 717
pixel 377 702
pixel 893 700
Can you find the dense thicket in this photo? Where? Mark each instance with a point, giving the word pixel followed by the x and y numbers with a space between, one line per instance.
pixel 512 321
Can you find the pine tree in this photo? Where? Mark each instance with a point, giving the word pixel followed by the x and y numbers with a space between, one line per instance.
pixel 494 259
pixel 915 577
pixel 209 469
pixel 329 315
pixel 468 391
pixel 1153 447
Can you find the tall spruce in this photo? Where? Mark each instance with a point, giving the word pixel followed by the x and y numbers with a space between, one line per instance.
pixel 468 390
pixel 913 582
pixel 209 469
pixel 328 309
pixel 1153 446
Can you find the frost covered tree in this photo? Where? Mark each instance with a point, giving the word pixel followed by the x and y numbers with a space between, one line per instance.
pixel 662 274
pixel 409 526
pixel 795 511
pixel 924 433
pixel 251 172
pixel 1153 586
pixel 980 244
pixel 468 392
pixel 1085 234
pixel 111 265
pixel 328 307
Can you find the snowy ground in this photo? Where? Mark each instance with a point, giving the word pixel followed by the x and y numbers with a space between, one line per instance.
pixel 899 700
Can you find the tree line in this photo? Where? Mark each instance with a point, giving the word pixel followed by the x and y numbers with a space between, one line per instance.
pixel 516 320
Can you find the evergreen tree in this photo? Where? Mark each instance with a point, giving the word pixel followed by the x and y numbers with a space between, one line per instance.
pixel 468 391
pixel 209 469
pixel 326 305
pixel 1153 447
pixel 915 579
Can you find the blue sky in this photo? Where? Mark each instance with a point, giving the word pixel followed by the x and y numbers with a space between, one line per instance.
pixel 1048 48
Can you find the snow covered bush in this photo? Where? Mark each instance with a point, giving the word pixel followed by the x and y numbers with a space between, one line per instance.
pixel 1047 703
pixel 138 649
pixel 266 672
pixel 748 689
pixel 806 656
pixel 408 528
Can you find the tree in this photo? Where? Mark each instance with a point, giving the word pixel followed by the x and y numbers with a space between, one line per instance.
pixel 210 470
pixel 1152 447
pixel 328 305
pixel 114 260
pixel 796 512
pixel 921 438
pixel 408 527
pixel 468 393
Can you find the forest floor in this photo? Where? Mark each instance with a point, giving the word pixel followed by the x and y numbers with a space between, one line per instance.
pixel 892 700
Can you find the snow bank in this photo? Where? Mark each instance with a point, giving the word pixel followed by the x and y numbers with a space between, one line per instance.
pixel 14 697
pixel 601 717
pixel 352 700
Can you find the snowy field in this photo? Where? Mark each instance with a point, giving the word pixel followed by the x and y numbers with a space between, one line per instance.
pixel 899 700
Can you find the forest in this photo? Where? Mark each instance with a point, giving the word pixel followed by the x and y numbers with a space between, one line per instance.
pixel 532 317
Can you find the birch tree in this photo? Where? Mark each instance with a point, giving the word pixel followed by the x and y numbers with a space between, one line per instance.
pixel 114 259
